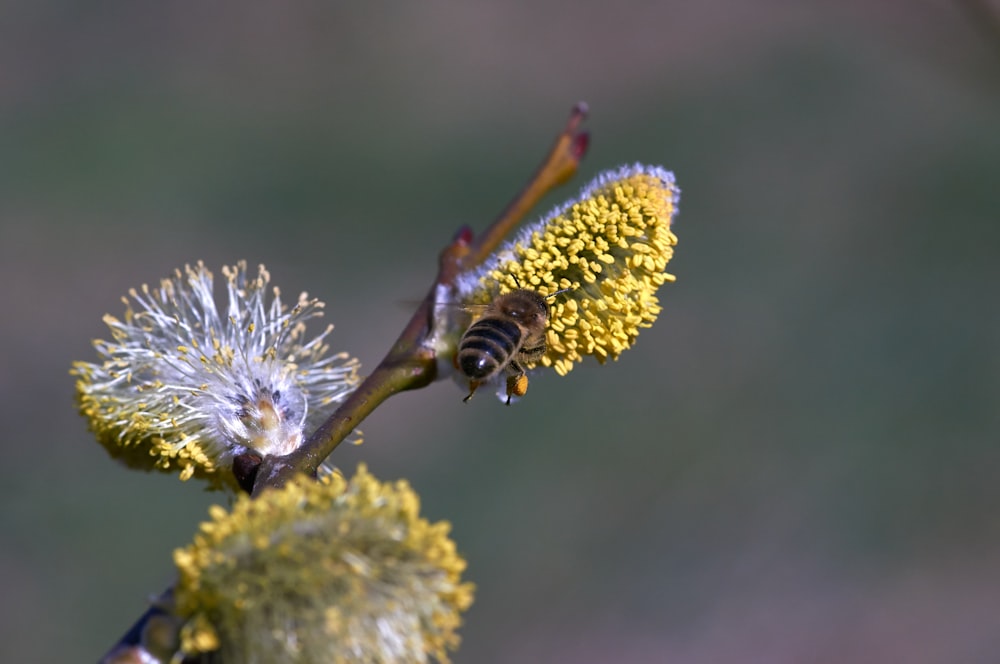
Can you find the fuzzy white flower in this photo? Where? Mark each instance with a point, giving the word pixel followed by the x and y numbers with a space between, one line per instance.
pixel 184 386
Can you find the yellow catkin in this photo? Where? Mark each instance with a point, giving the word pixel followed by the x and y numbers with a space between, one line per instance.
pixel 609 247
pixel 325 570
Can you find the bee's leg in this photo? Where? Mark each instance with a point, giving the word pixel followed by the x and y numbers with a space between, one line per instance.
pixel 517 386
pixel 532 354
pixel 473 385
pixel 517 381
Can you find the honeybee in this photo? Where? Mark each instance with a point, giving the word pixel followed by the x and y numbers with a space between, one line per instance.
pixel 510 333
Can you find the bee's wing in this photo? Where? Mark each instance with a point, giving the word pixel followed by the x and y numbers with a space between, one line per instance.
pixel 474 309
pixel 464 307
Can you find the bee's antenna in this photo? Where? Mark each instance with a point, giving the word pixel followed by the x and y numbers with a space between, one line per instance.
pixel 563 290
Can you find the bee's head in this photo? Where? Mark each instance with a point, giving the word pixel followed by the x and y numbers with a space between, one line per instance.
pixel 525 306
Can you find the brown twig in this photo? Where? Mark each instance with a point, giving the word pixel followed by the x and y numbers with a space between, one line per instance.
pixel 410 364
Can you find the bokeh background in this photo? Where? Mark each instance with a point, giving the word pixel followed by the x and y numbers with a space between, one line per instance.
pixel 798 463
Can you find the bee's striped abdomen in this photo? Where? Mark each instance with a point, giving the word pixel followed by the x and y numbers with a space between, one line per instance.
pixel 487 346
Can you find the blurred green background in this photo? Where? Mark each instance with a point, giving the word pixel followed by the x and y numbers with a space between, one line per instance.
pixel 799 462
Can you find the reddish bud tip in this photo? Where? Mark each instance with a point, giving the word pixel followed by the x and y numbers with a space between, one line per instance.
pixel 464 236
pixel 580 144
